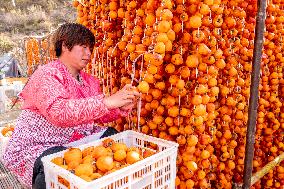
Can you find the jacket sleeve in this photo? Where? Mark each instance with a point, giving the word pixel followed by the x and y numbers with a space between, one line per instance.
pixel 52 101
pixel 112 114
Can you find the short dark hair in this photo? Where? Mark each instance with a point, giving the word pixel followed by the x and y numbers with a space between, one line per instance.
pixel 72 34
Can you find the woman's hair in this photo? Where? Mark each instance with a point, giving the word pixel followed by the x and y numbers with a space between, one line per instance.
pixel 71 34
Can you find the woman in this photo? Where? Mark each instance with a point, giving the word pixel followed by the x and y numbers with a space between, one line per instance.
pixel 60 105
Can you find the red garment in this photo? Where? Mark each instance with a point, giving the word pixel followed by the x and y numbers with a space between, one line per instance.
pixel 57 109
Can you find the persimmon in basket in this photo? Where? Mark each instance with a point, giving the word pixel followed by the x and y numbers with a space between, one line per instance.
pixel 94 162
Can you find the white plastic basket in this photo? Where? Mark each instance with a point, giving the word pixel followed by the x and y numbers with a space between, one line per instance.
pixel 157 171
pixel 3 143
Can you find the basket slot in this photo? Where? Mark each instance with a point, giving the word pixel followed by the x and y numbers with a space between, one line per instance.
pixel 52 185
pixel 146 144
pixel 142 182
pixel 164 187
pixel 169 158
pixel 158 182
pixel 63 183
pixel 148 187
pixel 122 183
pixel 164 173
pixel 162 148
pixel 138 175
pixel 120 140
pixel 168 168
pixel 139 142
pixel 167 177
pixel 158 164
pixel 167 173
pixel 158 173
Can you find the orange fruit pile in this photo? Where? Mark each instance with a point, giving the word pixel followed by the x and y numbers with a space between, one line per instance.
pixel 96 161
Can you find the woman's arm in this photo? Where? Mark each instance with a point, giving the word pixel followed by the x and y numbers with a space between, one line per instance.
pixel 114 114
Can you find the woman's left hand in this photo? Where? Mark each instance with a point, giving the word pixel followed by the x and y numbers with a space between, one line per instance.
pixel 121 98
pixel 128 107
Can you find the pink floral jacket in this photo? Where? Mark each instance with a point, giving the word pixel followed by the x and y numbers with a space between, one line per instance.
pixel 57 109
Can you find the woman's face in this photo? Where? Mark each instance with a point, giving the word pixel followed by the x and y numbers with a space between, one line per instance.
pixel 78 57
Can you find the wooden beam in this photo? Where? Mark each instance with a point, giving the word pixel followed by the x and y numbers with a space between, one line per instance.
pixel 258 175
pixel 253 101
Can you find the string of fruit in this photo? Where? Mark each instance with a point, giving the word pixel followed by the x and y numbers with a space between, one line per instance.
pixel 38 51
pixel 231 121
pixel 151 83
pixel 269 130
pixel 32 52
pixel 198 156
pixel 244 57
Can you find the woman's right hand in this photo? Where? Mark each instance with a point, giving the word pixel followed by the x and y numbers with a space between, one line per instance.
pixel 122 97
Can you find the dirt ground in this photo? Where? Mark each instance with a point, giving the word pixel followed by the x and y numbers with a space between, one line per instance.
pixel 9 117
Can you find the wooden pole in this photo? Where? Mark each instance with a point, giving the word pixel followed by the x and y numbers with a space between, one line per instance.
pixel 271 165
pixel 253 101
